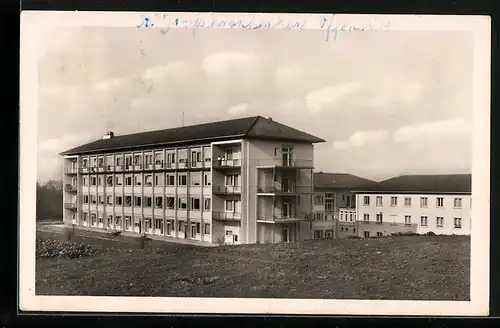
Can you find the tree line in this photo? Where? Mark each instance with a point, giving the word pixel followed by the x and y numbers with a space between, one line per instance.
pixel 49 200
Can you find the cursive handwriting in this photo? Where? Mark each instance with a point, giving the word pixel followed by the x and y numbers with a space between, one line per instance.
pixel 326 23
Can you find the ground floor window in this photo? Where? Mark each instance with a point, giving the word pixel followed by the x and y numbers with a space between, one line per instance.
pixel 207 228
pixel 366 233
pixel 329 233
pixel 318 234
pixel 110 221
pixel 379 234
pixel 118 220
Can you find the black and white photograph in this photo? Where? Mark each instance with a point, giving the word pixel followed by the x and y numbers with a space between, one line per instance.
pixel 254 163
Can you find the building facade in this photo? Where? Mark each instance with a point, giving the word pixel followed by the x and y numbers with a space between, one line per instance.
pixel 335 204
pixel 230 182
pixel 420 204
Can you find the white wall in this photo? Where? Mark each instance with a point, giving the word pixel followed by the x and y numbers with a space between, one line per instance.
pixel 394 216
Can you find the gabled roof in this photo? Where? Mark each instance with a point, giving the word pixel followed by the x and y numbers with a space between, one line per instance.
pixel 340 181
pixel 424 184
pixel 254 127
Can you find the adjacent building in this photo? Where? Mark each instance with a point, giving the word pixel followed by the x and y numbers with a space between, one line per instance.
pixel 335 204
pixel 415 204
pixel 238 181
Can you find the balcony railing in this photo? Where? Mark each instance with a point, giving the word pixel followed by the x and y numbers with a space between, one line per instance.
pixel 281 162
pixel 283 190
pixel 70 188
pixel 300 216
pixel 226 163
pixel 70 206
pixel 71 170
pixel 226 189
pixel 226 216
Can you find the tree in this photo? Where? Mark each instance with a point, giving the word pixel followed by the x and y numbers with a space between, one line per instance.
pixel 49 200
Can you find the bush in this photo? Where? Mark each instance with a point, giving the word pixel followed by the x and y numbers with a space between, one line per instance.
pixel 57 248
pixel 430 233
pixel 405 234
pixel 142 240
pixel 115 233
pixel 69 233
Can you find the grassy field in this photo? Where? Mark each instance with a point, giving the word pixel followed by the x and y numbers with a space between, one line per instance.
pixel 398 268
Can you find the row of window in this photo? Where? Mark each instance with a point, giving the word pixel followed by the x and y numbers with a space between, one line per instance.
pixel 145 224
pixel 160 202
pixel 157 157
pixel 457 201
pixel 423 220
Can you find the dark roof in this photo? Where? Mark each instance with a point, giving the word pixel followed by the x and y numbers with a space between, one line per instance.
pixel 254 127
pixel 340 181
pixel 425 184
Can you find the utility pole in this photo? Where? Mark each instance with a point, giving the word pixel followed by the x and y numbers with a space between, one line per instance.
pixel 182 120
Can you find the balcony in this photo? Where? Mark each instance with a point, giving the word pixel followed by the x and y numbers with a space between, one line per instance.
pixel 226 190
pixel 71 170
pixel 280 218
pixel 226 164
pixel 283 190
pixel 70 188
pixel 285 163
pixel 226 216
pixel 70 206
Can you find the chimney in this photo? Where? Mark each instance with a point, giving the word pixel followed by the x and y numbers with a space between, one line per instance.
pixel 108 135
pixel 269 118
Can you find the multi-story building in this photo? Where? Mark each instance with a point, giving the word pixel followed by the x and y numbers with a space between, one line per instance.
pixel 416 204
pixel 238 181
pixel 335 204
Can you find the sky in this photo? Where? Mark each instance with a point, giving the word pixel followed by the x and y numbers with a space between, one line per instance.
pixel 387 103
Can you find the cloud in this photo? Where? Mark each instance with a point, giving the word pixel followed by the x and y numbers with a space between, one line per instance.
pixel 106 85
pixel 239 109
pixel 361 139
pixel 318 99
pixel 411 93
pixel 432 131
pixel 171 70
pixel 226 62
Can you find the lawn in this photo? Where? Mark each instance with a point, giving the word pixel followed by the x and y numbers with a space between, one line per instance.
pixel 397 268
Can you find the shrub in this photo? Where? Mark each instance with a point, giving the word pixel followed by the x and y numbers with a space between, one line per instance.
pixel 405 234
pixel 115 233
pixel 57 248
pixel 220 241
pixel 142 240
pixel 430 233
pixel 69 233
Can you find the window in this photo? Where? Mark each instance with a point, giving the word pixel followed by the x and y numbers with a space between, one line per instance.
pixel 439 202
pixel 207 154
pixel 170 202
pixel 94 161
pixel 85 181
pixel 137 159
pixel 148 201
pixel 379 218
pixel 366 200
pixel 170 157
pixel 118 180
pixel 128 201
pixel 109 200
pixel 158 157
pixel 170 180
pixel 85 163
pixel 159 179
pixel 206 204
pixel 195 178
pixel 182 203
pixel 394 201
pixel 93 181
pixel 379 234
pixel 99 180
pixel 329 205
pixel 110 221
pixel 366 234
pixel 148 180
pixel 101 200
pixel 232 206
pixel 229 154
pixel 207 178
pixel 137 201
pixel 407 220
pixel 148 159
pixel 182 179
pixel 319 216
pixel 366 217
pixel 318 234
pixel 93 199
pixel 195 157
pixel 137 180
pixel 128 180
pixel 180 225
pixel 318 200
pixel 458 223
pixel 439 221
pixel 207 229
pixel 182 153
pixel 100 162
pixel 457 203
pixel 423 201
pixel 109 180
pixel 407 201
pixel 275 151
pixel 118 220
pixel 350 217
pixel 118 200
pixel 379 200
pixel 119 161
pixel 85 199
pixel 423 221
pixel 195 204
pixel 159 202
